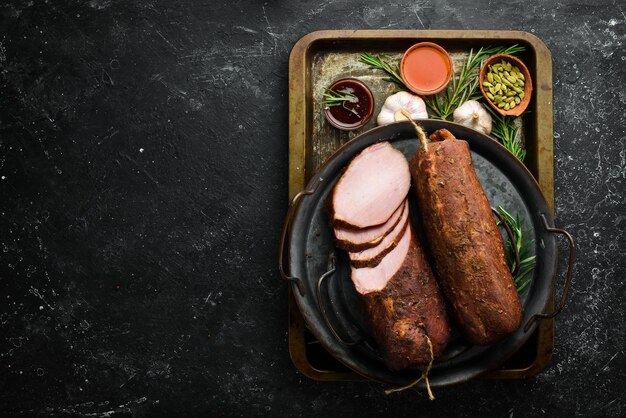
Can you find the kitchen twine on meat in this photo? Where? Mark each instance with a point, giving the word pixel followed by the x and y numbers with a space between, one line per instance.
pixel 421 135
pixel 423 376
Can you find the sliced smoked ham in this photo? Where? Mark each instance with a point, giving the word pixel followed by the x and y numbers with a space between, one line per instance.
pixel 371 279
pixel 371 257
pixel 400 298
pixel 362 239
pixel 374 184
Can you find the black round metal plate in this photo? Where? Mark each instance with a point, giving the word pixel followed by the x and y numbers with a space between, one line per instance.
pixel 506 182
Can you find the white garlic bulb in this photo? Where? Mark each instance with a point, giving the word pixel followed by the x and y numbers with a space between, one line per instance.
pixel 392 109
pixel 473 115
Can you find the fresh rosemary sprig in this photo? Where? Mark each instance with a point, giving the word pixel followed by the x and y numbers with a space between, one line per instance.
pixel 504 128
pixel 523 245
pixel 377 61
pixel 334 98
pixel 465 86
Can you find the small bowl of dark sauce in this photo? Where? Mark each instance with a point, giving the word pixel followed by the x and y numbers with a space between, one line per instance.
pixel 355 110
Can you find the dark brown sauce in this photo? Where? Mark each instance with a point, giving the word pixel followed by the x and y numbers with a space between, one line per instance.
pixel 361 105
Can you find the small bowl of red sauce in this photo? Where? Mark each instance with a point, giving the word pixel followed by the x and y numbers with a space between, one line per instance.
pixel 354 113
pixel 426 68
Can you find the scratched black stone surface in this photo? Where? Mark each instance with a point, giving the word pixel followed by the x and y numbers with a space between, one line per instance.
pixel 143 164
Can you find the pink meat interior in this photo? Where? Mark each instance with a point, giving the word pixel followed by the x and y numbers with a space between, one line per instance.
pixel 392 236
pixel 372 187
pixel 372 279
pixel 372 234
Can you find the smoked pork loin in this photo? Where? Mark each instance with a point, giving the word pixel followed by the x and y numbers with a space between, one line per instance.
pixel 464 240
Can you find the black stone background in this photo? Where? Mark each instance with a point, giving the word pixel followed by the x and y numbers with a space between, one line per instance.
pixel 143 164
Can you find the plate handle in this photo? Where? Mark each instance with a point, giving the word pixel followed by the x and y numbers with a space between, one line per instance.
pixel 568 275
pixel 511 238
pixel 291 211
pixel 332 260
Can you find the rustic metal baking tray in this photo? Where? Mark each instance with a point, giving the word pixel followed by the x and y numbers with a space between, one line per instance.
pixel 321 57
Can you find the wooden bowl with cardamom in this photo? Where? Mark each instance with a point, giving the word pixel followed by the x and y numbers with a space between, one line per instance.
pixel 506 85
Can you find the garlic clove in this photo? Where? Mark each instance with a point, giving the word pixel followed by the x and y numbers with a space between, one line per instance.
pixel 385 118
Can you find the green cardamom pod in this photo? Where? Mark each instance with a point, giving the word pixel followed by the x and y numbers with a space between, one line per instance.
pixel 507 82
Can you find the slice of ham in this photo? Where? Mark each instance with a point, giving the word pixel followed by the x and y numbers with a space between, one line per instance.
pixel 361 239
pixel 374 184
pixel 371 279
pixel 371 257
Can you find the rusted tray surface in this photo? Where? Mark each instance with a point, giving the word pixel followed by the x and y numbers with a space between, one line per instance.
pixel 319 58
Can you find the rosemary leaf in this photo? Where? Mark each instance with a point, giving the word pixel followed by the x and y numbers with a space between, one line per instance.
pixel 379 63
pixel 523 245
pixel 521 288
pixel 334 98
pixel 504 129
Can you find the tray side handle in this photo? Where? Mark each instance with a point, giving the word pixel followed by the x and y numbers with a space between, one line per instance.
pixel 568 275
pixel 291 211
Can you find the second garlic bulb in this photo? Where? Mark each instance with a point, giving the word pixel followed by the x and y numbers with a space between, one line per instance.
pixel 473 115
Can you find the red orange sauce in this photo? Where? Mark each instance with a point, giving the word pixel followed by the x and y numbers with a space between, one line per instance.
pixel 425 68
